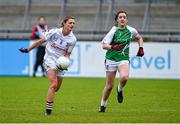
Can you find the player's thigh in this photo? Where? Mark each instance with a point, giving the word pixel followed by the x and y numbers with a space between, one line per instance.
pixel 110 76
pixel 123 70
pixel 51 74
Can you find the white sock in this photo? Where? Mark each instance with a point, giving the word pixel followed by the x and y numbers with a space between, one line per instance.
pixel 103 102
pixel 119 87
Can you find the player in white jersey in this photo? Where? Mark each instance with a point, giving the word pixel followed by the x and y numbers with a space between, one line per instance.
pixel 60 42
pixel 57 45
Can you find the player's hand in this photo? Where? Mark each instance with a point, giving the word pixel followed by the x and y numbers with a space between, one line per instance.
pixel 140 52
pixel 59 68
pixel 117 47
pixel 23 50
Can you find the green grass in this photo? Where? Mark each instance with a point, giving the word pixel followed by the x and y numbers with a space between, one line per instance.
pixel 22 99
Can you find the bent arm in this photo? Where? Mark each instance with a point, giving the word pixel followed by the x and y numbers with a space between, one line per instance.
pixel 139 39
pixel 108 39
pixel 67 55
pixel 36 44
pixel 106 46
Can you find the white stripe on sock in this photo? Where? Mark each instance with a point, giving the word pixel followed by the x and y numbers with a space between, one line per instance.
pixel 103 102
pixel 119 87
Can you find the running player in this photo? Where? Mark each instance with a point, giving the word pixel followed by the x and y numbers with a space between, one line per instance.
pixel 117 42
pixel 60 42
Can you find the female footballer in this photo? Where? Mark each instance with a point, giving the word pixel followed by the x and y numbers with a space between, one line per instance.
pixel 60 42
pixel 117 42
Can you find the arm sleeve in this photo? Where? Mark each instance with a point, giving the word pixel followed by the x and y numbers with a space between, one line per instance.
pixel 109 36
pixel 134 33
pixel 72 46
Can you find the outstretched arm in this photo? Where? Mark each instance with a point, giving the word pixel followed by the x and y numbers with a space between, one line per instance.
pixel 34 45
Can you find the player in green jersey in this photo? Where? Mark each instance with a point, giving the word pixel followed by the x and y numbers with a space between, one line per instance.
pixel 117 42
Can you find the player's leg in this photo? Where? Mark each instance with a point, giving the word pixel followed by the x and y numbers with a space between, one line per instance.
pixel 52 76
pixel 110 75
pixel 60 79
pixel 123 70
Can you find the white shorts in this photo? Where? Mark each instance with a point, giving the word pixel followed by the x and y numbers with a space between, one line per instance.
pixel 49 64
pixel 113 66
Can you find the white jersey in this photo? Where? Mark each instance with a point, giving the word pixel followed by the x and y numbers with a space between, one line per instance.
pixel 58 44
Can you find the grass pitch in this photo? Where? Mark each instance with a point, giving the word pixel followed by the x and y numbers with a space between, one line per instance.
pixel 22 99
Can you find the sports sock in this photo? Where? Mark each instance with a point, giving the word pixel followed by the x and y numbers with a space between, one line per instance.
pixel 49 107
pixel 119 87
pixel 103 102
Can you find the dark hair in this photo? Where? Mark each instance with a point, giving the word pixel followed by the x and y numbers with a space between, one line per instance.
pixel 121 11
pixel 66 19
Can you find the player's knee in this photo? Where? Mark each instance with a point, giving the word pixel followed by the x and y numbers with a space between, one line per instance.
pixel 124 77
pixel 53 85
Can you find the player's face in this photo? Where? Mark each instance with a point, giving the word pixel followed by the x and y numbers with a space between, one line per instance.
pixel 122 20
pixel 42 21
pixel 69 25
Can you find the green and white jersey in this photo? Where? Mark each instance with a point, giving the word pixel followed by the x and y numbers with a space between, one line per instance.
pixel 122 37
